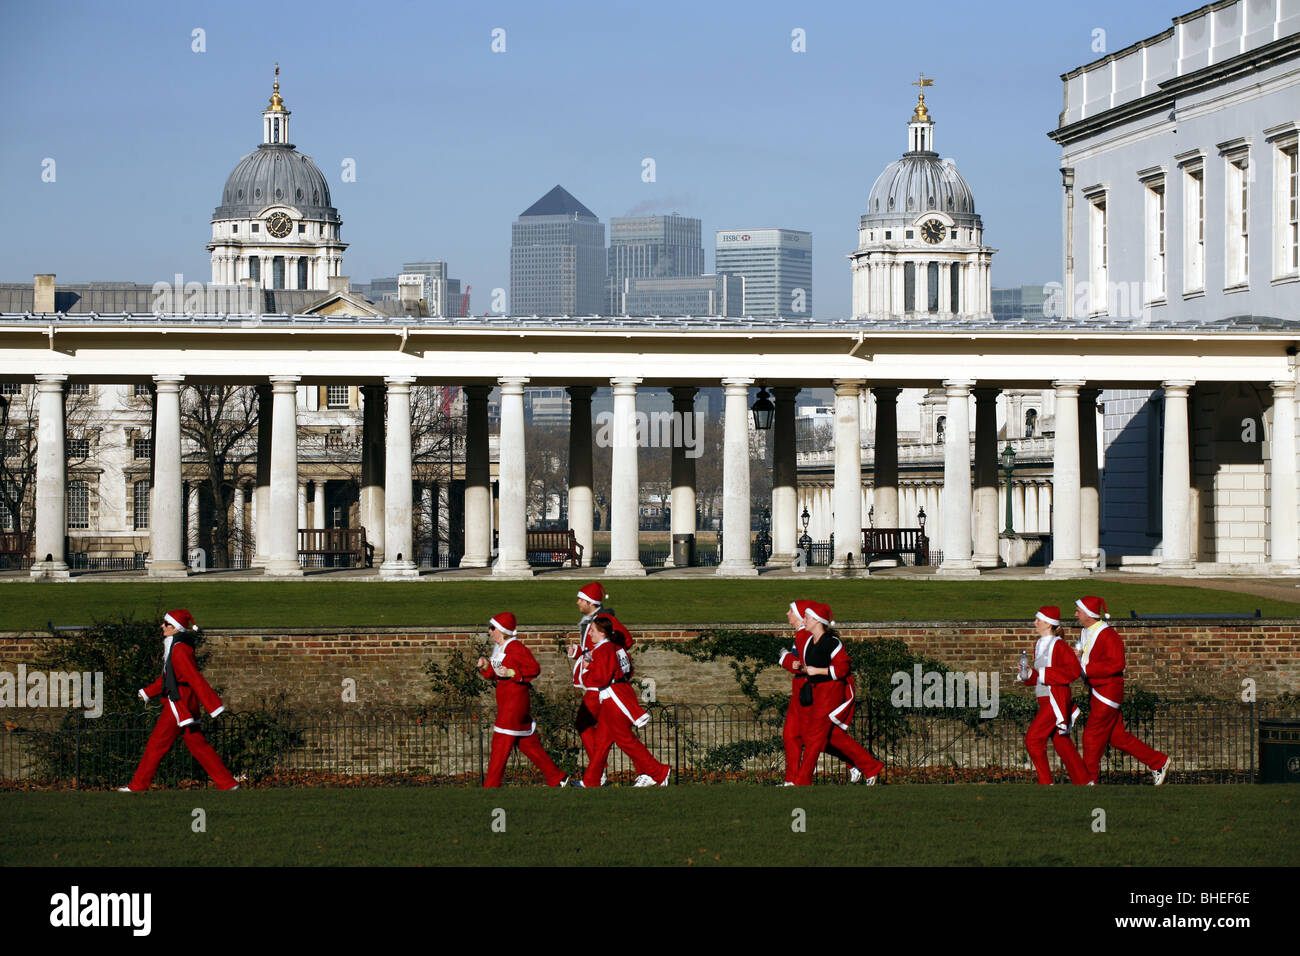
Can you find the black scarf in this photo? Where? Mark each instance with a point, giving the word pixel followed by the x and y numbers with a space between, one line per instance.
pixel 171 687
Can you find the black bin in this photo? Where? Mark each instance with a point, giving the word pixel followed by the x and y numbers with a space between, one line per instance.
pixel 683 550
pixel 1279 750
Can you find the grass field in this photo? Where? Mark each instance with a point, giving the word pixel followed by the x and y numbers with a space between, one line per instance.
pixel 462 603
pixel 721 824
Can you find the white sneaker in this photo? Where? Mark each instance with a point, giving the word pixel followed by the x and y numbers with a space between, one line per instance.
pixel 668 778
pixel 125 790
pixel 854 775
pixel 603 778
pixel 564 782
pixel 871 781
pixel 645 780
pixel 1158 776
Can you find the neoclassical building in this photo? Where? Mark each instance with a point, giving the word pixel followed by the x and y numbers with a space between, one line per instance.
pixel 275 227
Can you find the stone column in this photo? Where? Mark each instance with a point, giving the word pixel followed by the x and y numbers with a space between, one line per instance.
pixel 1067 484
pixel 478 491
pixel 372 468
pixel 318 506
pixel 737 556
pixel 166 523
pixel 51 479
pixel 986 478
pixel 682 495
pixel 1089 481
pixel 512 532
pixel 1176 488
pixel 281 530
pixel 262 485
pixel 398 560
pixel 302 504
pixel 442 529
pixel 191 517
pixel 1282 482
pixel 238 542
pixel 955 520
pixel 848 477
pixel 581 494
pixel 885 494
pixel 624 539
pixel 785 479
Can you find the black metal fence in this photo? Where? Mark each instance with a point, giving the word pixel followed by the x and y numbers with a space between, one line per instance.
pixel 1212 742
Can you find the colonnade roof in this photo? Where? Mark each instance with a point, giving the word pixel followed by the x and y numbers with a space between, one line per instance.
pixel 904 325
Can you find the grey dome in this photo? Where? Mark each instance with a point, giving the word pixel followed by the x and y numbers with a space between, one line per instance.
pixel 917 183
pixel 276 173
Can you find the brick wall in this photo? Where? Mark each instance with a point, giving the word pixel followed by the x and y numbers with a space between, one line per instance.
pixel 309 666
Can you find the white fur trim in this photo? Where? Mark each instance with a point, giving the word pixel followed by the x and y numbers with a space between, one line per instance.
pixel 502 628
pixel 1105 700
pixel 1050 620
pixel 143 695
pixel 516 733
pixel 218 712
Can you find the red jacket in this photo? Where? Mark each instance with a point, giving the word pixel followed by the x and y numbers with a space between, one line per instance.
pixel 1055 668
pixel 1102 657
pixel 606 676
pixel 840 671
pixel 582 659
pixel 193 690
pixel 513 716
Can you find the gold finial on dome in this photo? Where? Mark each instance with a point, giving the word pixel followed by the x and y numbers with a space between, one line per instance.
pixel 920 115
pixel 276 102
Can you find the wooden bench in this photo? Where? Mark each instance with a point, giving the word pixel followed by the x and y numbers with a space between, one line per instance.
pixel 15 545
pixel 891 542
pixel 343 542
pixel 560 546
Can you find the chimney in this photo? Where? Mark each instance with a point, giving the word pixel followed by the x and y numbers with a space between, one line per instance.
pixel 44 298
pixel 338 283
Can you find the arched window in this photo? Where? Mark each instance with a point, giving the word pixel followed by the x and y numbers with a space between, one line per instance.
pixel 932 287
pixel 255 268
pixel 277 272
pixel 939 426
pixel 1031 422
pixel 302 272
pixel 909 287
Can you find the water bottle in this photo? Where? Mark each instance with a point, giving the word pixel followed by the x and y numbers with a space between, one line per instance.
pixel 1024 665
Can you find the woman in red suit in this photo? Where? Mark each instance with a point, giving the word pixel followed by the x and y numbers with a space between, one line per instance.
pixel 183 690
pixel 607 675
pixel 1055 667
pixel 826 701
pixel 511 668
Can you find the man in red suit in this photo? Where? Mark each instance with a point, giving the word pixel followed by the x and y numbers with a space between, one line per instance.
pixel 606 675
pixel 1101 652
pixel 183 690
pixel 590 601
pixel 511 669
pixel 792 729
pixel 1055 668
pixel 826 701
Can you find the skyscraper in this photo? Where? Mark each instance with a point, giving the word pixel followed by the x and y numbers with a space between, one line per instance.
pixel 776 265
pixel 557 258
pixel 652 247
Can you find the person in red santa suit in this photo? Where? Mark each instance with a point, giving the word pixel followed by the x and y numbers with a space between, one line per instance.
pixel 591 599
pixel 1054 668
pixel 511 669
pixel 792 729
pixel 620 711
pixel 827 700
pixel 1101 652
pixel 182 689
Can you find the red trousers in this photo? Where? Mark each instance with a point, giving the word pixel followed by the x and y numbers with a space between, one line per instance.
pixel 792 738
pixel 531 747
pixel 164 735
pixel 1040 730
pixel 1105 726
pixel 820 734
pixel 615 728
pixel 585 722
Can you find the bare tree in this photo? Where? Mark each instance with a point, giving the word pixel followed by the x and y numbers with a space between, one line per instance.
pixel 18 437
pixel 546 468
pixel 220 423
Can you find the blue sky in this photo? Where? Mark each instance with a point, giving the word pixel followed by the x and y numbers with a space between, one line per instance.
pixel 452 141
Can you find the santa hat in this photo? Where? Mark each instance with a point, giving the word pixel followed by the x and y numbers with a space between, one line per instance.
pixel 180 619
pixel 594 593
pixel 1049 613
pixel 1092 606
pixel 819 612
pixel 800 607
pixel 504 622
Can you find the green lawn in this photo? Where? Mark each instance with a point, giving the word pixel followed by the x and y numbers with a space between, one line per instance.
pixel 469 603
pixel 721 824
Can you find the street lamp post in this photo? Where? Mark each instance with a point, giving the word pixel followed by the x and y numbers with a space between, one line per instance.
pixel 1009 466
pixel 805 542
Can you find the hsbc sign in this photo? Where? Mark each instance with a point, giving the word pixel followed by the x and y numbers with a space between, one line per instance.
pixel 734 237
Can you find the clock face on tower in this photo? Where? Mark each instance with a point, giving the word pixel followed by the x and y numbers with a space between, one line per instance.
pixel 279 225
pixel 933 231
